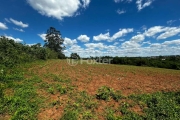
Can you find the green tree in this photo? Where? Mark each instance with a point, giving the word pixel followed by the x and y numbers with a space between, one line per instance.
pixel 74 56
pixel 54 41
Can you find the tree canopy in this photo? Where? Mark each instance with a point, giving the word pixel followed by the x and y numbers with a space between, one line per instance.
pixel 54 41
pixel 74 56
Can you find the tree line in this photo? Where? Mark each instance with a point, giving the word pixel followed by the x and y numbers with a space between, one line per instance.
pixel 13 53
pixel 170 62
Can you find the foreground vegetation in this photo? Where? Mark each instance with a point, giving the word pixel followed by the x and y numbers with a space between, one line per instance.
pixel 39 91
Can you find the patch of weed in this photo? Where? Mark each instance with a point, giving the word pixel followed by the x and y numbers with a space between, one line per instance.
pixel 61 89
pixel 70 115
pixel 105 93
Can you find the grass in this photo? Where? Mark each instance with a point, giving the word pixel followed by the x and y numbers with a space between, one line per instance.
pixel 26 94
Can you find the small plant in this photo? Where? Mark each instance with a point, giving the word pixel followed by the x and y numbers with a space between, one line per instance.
pixel 1 91
pixel 87 115
pixel 51 90
pixel 104 93
pixel 55 102
pixel 124 108
pixel 61 89
pixel 111 115
pixel 70 115
pixel 117 95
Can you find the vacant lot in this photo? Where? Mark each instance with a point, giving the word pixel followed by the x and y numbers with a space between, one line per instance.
pixel 53 90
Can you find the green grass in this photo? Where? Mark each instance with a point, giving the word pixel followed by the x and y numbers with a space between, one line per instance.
pixel 23 104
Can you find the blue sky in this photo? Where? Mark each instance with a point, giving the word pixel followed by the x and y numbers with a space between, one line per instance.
pixel 97 27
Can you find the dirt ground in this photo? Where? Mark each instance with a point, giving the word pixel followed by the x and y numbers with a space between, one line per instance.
pixel 90 77
pixel 128 79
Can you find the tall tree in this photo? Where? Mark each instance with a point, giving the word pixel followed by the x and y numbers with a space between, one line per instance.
pixel 74 56
pixel 54 40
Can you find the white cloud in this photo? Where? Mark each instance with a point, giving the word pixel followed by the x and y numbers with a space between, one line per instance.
pixel 175 42
pixel 31 44
pixel 101 36
pixel 116 43
pixel 169 33
pixel 156 45
pixel 83 38
pixel 120 11
pixel 85 3
pixel 19 23
pixel 69 42
pixel 106 36
pixel 3 26
pixel 43 36
pixel 165 32
pixel 170 22
pixel 7 20
pixel 21 30
pixel 147 42
pixel 144 27
pixel 154 30
pixel 121 33
pixel 95 45
pixel 58 8
pixel 76 49
pixel 121 40
pixel 130 44
pixel 138 38
pixel 141 6
pixel 18 40
pixel 128 48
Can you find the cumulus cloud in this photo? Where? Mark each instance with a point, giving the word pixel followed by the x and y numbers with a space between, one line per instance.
pixel 169 33
pixel 119 34
pixel 154 30
pixel 75 48
pixel 135 46
pixel 141 6
pixel 85 3
pixel 164 32
pixel 122 32
pixel 20 30
pixel 101 36
pixel 18 40
pixel 138 38
pixel 3 26
pixel 116 43
pixel 130 44
pixel 128 48
pixel 19 23
pixel 58 8
pixel 120 11
pixel 43 36
pixel 172 42
pixel 95 45
pixel 83 38
pixel 69 42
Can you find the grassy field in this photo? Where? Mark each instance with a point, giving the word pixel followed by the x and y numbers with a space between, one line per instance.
pixel 54 90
